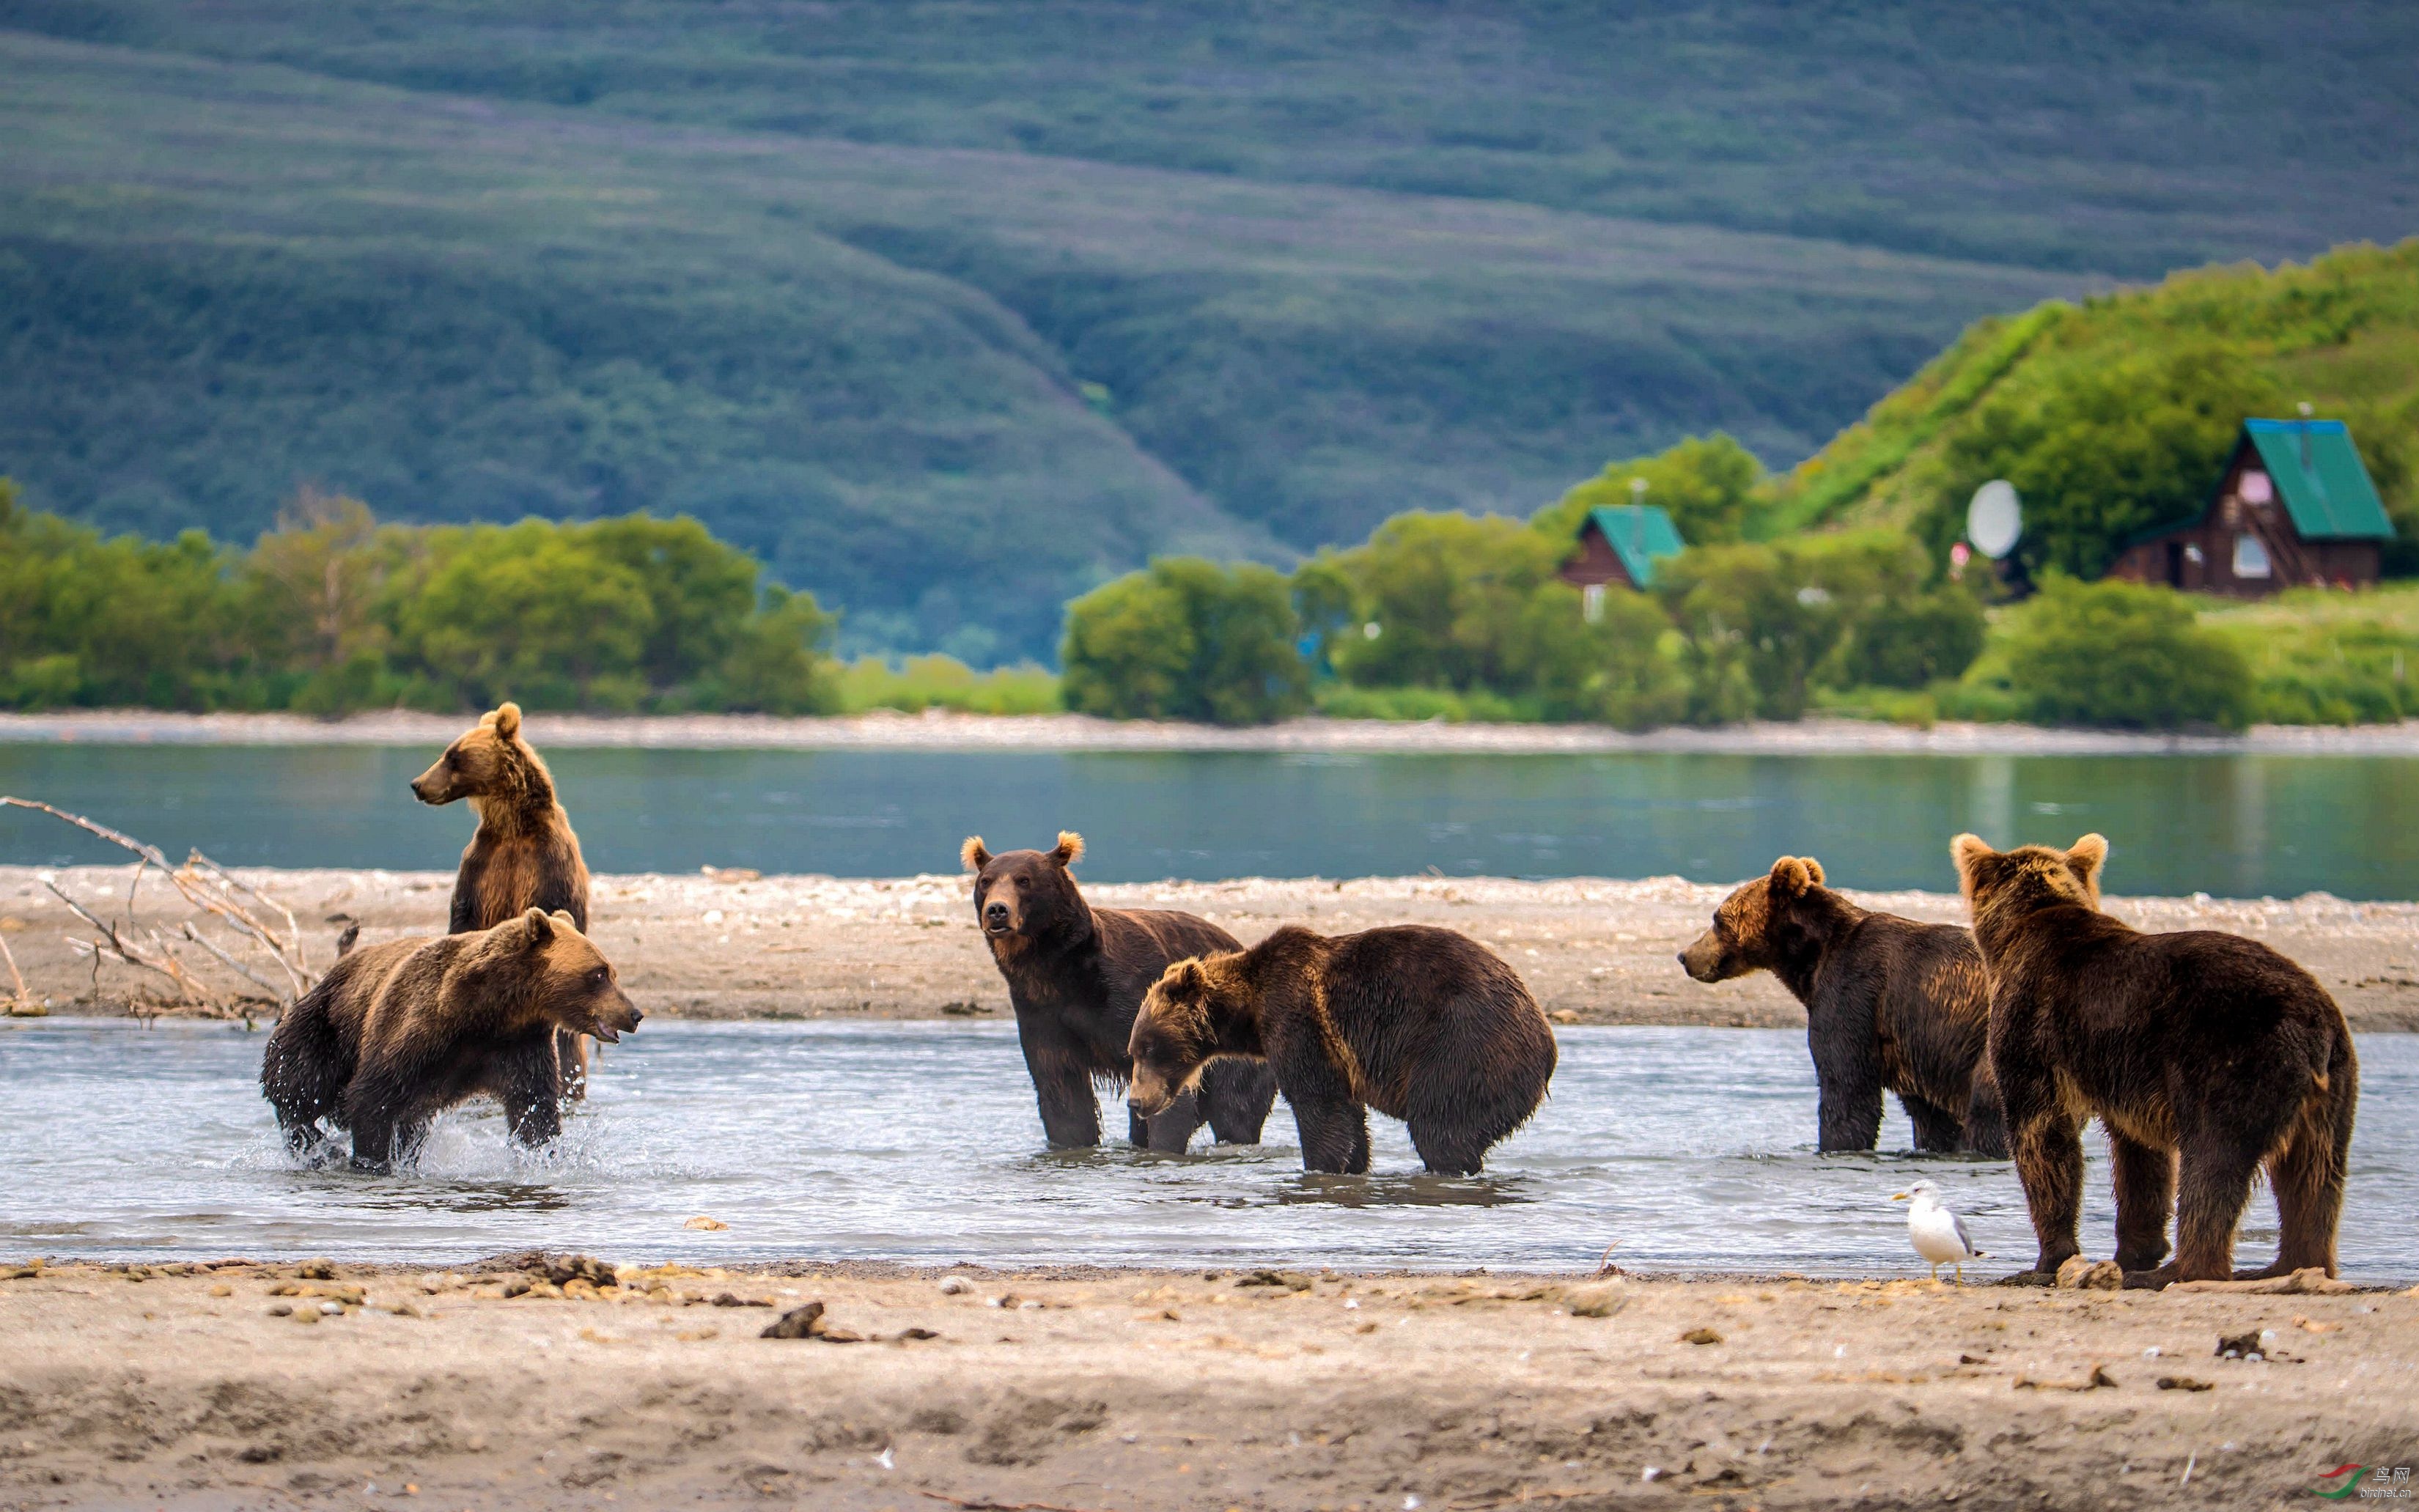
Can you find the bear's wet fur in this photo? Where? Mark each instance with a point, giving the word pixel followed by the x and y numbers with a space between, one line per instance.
pixel 1891 1004
pixel 1422 1023
pixel 396 1033
pixel 523 855
pixel 1075 975
pixel 2205 1056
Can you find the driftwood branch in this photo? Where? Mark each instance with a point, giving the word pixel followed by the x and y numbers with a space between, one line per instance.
pixel 231 963
pixel 209 887
pixel 18 997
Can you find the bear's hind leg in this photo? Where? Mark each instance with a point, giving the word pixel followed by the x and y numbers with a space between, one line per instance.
pixel 2049 1163
pixel 1937 1130
pixel 2307 1176
pixel 1986 1121
pixel 1236 1093
pixel 2146 1194
pixel 2214 1184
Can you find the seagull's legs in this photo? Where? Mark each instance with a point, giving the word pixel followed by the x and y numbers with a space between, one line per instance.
pixel 1936 1272
pixel 1960 1273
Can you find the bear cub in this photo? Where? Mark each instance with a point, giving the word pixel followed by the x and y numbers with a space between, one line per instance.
pixel 2204 1054
pixel 1890 1005
pixel 1075 975
pixel 1424 1024
pixel 396 1033
pixel 523 855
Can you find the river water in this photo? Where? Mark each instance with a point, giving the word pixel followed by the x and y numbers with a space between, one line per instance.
pixel 2231 825
pixel 1692 1147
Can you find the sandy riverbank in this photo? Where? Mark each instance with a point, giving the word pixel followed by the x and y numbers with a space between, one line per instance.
pixel 1098 1391
pixel 939 729
pixel 810 946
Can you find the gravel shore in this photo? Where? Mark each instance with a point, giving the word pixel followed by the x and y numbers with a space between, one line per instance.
pixel 733 946
pixel 1102 1391
pixel 939 729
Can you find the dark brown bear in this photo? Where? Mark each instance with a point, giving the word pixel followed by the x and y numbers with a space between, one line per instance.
pixel 1890 1004
pixel 396 1033
pixel 2205 1056
pixel 1075 975
pixel 523 855
pixel 1424 1024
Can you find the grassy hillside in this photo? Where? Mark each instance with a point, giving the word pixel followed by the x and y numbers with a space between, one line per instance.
pixel 2121 135
pixel 944 390
pixel 2340 332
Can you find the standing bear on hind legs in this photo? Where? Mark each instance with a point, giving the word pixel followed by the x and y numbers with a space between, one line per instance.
pixel 2204 1054
pixel 523 855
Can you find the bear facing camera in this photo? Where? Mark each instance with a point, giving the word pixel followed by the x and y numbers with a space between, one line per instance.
pixel 2205 1056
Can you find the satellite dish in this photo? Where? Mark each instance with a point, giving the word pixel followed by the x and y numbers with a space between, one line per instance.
pixel 1994 519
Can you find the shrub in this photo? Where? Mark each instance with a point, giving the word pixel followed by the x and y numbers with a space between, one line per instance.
pixel 930 681
pixel 2121 653
pixel 1753 624
pixel 1706 483
pixel 1185 639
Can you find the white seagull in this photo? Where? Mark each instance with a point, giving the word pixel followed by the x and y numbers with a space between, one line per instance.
pixel 1939 1234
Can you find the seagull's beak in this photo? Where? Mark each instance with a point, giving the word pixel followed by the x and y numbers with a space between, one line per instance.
pixel 1901 1197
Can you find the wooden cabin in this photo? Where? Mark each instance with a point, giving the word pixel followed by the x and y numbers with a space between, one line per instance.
pixel 1618 546
pixel 2294 508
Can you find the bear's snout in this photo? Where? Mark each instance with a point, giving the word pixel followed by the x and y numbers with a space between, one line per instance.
pixel 997 917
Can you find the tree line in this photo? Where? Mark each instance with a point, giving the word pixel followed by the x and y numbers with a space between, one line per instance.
pixel 334 611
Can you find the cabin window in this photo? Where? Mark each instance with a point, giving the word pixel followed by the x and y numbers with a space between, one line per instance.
pixel 2255 488
pixel 2250 557
pixel 1592 602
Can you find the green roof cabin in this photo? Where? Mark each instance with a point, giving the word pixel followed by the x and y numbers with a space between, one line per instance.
pixel 1620 546
pixel 2294 508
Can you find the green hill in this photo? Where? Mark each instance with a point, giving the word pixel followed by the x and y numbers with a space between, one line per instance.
pixel 952 311
pixel 2341 334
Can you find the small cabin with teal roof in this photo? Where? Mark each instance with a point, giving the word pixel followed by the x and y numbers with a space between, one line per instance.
pixel 2295 508
pixel 1619 546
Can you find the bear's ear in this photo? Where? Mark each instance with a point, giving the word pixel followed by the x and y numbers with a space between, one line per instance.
pixel 1070 848
pixel 1814 869
pixel 2085 859
pixel 973 855
pixel 508 720
pixel 540 929
pixel 1185 981
pixel 563 921
pixel 1790 878
pixel 1969 852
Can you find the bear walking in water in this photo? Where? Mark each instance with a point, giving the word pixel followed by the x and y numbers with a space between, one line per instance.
pixel 1075 975
pixel 523 855
pixel 1890 1005
pixel 396 1033
pixel 2205 1055
pixel 1424 1024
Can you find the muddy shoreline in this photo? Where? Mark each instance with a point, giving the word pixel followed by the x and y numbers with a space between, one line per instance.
pixel 942 729
pixel 1103 1391
pixel 730 946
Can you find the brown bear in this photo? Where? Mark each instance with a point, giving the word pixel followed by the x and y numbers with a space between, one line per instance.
pixel 1890 1005
pixel 523 855
pixel 2205 1056
pixel 1422 1023
pixel 1075 975
pixel 396 1033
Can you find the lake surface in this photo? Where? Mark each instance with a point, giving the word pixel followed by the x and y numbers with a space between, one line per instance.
pixel 919 1142
pixel 2232 825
